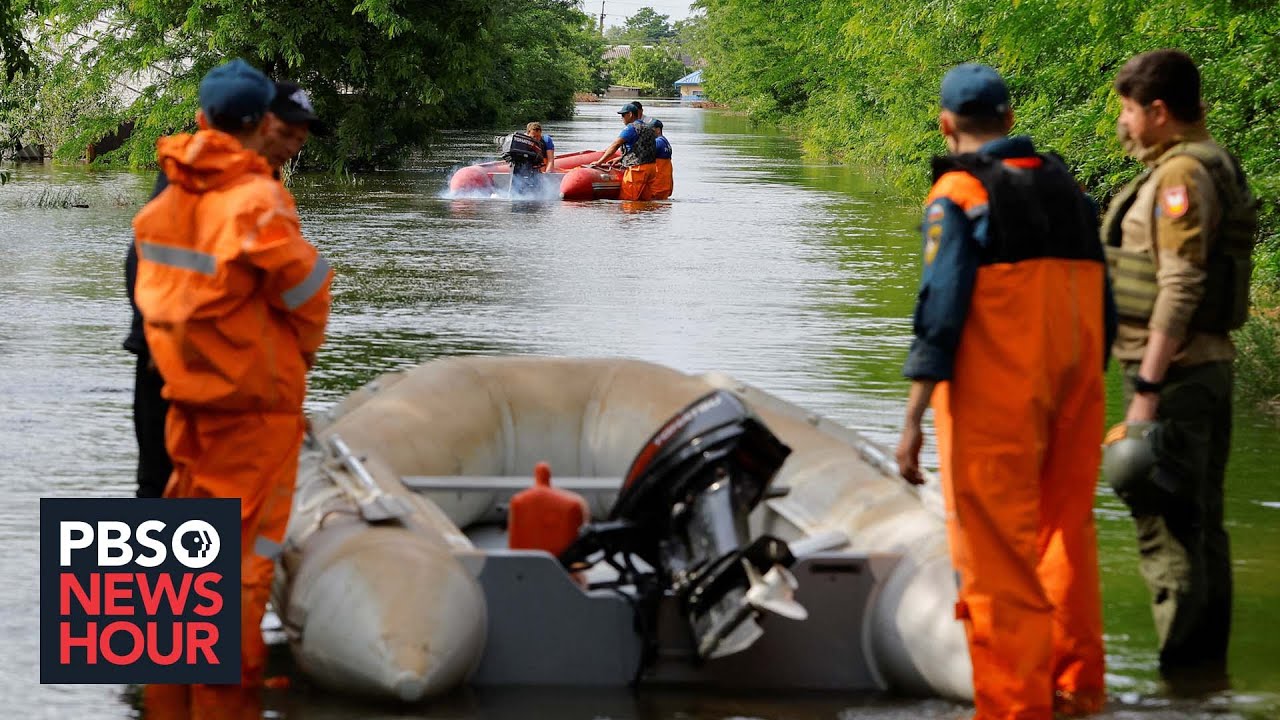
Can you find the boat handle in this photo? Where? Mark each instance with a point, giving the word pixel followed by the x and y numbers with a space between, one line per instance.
pixel 353 464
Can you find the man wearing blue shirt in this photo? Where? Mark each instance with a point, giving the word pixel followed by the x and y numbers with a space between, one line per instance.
pixel 663 182
pixel 639 154
pixel 534 130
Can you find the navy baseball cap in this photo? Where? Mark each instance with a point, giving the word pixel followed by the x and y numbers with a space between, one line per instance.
pixel 629 108
pixel 974 89
pixel 294 107
pixel 235 95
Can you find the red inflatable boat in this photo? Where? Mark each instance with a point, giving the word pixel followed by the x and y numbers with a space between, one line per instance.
pixel 484 178
pixel 598 182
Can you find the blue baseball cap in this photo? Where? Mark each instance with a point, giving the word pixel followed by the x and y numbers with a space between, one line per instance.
pixel 629 108
pixel 974 89
pixel 235 95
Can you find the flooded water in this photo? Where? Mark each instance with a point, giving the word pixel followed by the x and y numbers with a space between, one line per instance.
pixel 796 277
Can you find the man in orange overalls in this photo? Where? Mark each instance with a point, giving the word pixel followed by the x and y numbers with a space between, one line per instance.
pixel 663 180
pixel 639 154
pixel 1010 344
pixel 234 303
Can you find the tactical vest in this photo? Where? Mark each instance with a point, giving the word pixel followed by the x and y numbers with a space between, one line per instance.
pixel 1225 304
pixel 1032 213
pixel 645 149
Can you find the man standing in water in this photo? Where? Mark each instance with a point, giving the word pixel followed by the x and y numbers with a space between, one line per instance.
pixel 1010 346
pixel 234 303
pixel 297 120
pixel 640 153
pixel 663 182
pixel 1179 238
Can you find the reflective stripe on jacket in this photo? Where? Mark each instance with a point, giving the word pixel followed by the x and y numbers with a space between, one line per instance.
pixel 232 296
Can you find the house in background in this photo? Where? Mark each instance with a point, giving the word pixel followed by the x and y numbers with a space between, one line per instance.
pixel 690 87
pixel 622 91
pixel 613 52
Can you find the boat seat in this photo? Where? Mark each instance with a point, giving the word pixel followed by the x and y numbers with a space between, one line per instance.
pixel 599 492
pixel 515 483
pixel 505 483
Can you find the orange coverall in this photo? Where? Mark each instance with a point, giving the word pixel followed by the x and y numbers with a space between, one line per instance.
pixel 638 182
pixel 1019 419
pixel 234 302
pixel 663 181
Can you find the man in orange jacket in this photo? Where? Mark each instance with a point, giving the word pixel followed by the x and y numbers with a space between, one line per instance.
pixel 297 121
pixel 234 304
pixel 1010 344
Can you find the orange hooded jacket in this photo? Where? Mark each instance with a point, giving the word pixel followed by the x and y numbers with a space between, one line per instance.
pixel 232 296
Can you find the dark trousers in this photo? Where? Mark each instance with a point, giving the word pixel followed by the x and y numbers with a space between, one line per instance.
pixel 149 412
pixel 1184 551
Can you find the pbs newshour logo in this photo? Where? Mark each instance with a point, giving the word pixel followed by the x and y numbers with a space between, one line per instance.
pixel 139 591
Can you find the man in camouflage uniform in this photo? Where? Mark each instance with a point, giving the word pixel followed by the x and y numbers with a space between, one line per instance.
pixel 1179 239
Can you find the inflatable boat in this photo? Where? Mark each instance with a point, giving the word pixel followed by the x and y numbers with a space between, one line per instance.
pixel 487 178
pixel 602 182
pixel 734 540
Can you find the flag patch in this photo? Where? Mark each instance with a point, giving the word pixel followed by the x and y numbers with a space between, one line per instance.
pixel 1174 202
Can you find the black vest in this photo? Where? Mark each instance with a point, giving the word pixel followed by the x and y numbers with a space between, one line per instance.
pixel 1034 212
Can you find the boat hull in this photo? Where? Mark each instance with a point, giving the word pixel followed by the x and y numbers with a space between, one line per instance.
pixel 480 417
pixel 589 183
pixel 487 178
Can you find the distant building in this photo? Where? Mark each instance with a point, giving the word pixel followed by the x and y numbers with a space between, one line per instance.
pixel 690 87
pixel 622 91
pixel 613 52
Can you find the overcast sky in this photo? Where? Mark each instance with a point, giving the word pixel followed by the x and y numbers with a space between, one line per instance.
pixel 616 11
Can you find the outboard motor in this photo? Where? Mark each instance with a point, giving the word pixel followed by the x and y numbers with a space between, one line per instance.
pixel 525 155
pixel 683 511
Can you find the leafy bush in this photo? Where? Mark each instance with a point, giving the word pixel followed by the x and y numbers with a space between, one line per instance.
pixel 1258 351
pixel 860 80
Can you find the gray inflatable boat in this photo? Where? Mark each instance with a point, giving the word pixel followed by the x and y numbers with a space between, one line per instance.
pixel 736 541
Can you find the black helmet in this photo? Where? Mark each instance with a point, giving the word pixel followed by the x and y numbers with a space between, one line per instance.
pixel 1129 466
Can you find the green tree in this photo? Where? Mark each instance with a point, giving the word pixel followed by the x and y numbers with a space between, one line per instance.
pixel 14 46
pixel 654 70
pixel 388 74
pixel 647 27
pixel 860 80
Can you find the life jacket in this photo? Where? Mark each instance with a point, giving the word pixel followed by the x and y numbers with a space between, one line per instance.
pixel 1225 304
pixel 520 148
pixel 645 149
pixel 1033 213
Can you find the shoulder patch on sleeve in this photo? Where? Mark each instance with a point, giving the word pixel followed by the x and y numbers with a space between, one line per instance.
pixel 934 215
pixel 1174 201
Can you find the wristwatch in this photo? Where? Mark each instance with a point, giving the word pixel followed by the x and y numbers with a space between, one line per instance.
pixel 1143 386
